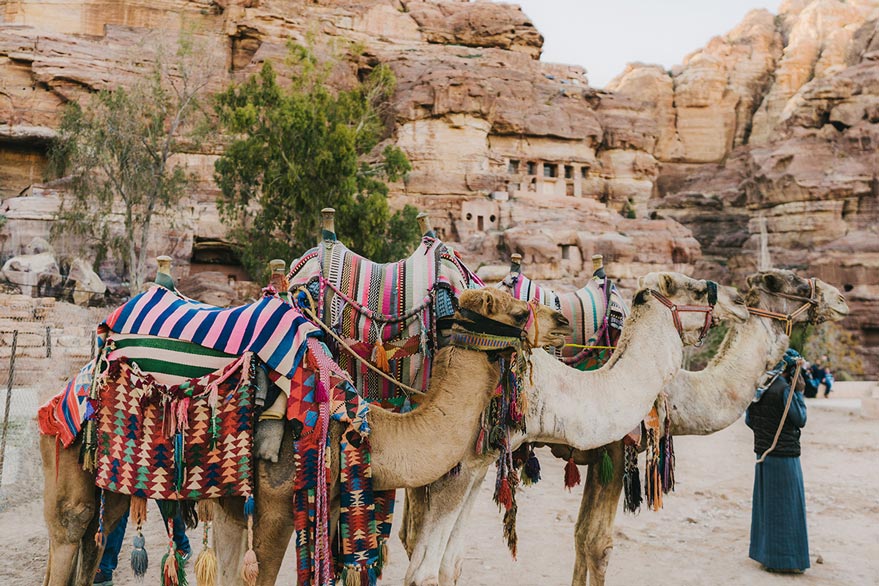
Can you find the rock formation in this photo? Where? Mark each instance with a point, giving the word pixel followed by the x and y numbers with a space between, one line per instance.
pixel 770 125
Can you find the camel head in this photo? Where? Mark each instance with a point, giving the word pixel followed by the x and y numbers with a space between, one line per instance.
pixel 783 291
pixel 682 290
pixel 549 327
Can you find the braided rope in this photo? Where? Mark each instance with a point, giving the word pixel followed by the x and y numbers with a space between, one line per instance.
pixel 311 314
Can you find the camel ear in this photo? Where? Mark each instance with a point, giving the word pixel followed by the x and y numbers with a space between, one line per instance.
pixel 667 285
pixel 753 280
pixel 481 301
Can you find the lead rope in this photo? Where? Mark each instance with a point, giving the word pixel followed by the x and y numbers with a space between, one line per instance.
pixel 790 396
pixel 310 313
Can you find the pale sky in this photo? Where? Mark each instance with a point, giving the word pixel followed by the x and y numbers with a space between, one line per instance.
pixel 604 35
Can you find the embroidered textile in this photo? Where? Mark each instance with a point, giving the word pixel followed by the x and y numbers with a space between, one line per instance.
pixel 190 441
pixel 420 287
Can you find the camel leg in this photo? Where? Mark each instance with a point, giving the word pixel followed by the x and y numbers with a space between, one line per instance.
pixel 412 517
pixel 273 520
pixel 68 507
pixel 115 506
pixel 431 524
pixel 453 559
pixel 593 533
pixel 230 539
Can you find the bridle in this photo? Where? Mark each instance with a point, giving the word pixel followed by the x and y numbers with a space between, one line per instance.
pixel 788 318
pixel 676 310
pixel 476 323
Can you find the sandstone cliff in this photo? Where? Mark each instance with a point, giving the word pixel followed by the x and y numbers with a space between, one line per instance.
pixel 774 125
pixel 771 125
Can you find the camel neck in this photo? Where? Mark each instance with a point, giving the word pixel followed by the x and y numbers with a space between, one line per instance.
pixel 590 409
pixel 706 401
pixel 417 448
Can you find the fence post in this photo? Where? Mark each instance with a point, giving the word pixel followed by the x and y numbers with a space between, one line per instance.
pixel 8 402
pixel 48 341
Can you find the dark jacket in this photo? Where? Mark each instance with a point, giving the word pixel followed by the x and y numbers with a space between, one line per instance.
pixel 764 415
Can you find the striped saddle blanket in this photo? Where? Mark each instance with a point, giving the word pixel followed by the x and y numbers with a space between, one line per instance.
pixel 395 306
pixel 175 339
pixel 596 315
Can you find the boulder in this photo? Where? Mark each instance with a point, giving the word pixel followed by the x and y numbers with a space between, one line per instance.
pixel 36 275
pixel 88 288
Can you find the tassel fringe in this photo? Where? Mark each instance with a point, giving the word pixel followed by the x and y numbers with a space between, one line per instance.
pixel 572 474
pixel 206 566
pixel 605 470
pixel 140 561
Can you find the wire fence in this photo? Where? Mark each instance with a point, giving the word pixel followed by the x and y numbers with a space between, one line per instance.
pixel 35 358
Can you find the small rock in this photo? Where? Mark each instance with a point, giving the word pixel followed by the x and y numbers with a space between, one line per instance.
pixel 819 559
pixel 692 520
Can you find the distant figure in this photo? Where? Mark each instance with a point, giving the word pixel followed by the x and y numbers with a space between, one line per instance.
pixel 811 390
pixel 779 539
pixel 820 371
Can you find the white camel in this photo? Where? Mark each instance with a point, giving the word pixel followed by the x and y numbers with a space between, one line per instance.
pixel 700 402
pixel 583 410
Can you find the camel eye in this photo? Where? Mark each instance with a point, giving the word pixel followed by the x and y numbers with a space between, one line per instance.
pixel 520 315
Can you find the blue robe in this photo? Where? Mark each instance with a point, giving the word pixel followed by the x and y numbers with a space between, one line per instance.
pixel 779 538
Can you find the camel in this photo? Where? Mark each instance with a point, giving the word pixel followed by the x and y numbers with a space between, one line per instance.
pixel 579 409
pixel 404 451
pixel 700 403
pixel 709 400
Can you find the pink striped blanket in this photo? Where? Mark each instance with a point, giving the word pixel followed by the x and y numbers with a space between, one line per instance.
pixel 586 308
pixel 388 309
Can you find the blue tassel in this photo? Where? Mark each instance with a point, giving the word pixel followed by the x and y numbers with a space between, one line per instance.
pixel 179 472
pixel 139 559
pixel 532 469
pixel 249 506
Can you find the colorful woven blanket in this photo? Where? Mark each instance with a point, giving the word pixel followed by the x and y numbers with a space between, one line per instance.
pixel 387 312
pixel 173 415
pixel 360 540
pixel 186 442
pixel 586 308
pixel 270 328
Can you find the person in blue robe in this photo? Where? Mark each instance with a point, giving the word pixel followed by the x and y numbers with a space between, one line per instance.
pixel 779 537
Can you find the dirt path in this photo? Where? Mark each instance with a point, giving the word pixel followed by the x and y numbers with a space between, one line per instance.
pixel 699 538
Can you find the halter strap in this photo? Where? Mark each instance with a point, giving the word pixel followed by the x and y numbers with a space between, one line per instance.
pixel 788 319
pixel 676 310
pixel 477 323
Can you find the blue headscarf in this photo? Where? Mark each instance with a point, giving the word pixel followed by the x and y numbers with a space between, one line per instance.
pixel 787 362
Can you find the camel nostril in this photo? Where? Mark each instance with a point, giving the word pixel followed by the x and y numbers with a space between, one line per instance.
pixel 562 320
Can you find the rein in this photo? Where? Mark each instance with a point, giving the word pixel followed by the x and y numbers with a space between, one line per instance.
pixel 315 320
pixel 790 396
pixel 676 310
pixel 788 318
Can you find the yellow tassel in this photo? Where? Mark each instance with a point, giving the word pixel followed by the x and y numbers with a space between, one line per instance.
pixel 206 568
pixel 206 510
pixel 380 356
pixel 352 578
pixel 138 510
pixel 385 555
pixel 250 571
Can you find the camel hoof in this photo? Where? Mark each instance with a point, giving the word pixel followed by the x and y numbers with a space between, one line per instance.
pixel 267 439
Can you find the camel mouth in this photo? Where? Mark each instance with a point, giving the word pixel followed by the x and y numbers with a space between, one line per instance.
pixel 838 313
pixel 557 338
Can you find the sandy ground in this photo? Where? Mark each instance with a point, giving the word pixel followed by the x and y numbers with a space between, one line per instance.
pixel 699 538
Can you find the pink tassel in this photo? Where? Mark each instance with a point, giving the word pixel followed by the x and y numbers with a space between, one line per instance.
pixel 183 414
pixel 480 441
pixel 213 393
pixel 320 392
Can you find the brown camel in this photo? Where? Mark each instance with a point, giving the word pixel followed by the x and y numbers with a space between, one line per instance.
pixel 581 409
pixel 404 453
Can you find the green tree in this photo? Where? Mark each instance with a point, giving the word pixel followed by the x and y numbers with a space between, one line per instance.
pixel 116 151
pixel 831 340
pixel 299 148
